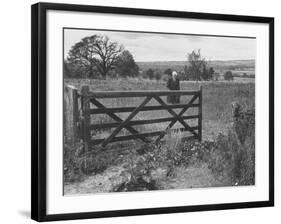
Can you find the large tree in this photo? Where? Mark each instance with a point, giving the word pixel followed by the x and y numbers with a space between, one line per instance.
pixel 197 64
pixel 126 65
pixel 95 53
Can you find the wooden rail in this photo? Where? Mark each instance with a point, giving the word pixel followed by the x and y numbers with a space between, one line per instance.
pixel 117 94
pixel 85 100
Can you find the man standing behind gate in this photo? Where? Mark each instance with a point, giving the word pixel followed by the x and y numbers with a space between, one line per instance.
pixel 173 83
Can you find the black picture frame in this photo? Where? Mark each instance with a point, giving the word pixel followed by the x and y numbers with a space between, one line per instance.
pixel 39 107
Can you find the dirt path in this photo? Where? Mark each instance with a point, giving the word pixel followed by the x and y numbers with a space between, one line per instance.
pixel 191 177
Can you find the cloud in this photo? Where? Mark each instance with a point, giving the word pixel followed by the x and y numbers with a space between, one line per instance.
pixel 171 47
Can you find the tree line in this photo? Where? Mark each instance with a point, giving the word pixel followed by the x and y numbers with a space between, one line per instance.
pixel 98 57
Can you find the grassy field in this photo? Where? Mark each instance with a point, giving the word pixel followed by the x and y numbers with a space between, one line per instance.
pixel 217 118
pixel 218 65
pixel 217 99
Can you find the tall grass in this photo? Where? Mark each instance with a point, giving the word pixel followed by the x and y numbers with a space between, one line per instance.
pixel 233 162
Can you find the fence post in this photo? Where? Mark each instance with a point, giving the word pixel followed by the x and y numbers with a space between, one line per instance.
pixel 86 117
pixel 70 114
pixel 200 115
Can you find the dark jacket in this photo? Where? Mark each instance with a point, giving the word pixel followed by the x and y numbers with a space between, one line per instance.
pixel 173 84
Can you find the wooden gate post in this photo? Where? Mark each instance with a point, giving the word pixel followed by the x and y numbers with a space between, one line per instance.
pixel 200 114
pixel 70 114
pixel 86 117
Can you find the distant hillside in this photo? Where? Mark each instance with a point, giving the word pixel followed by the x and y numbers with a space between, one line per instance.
pixel 217 65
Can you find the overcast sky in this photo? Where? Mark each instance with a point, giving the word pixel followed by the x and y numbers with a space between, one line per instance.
pixel 170 47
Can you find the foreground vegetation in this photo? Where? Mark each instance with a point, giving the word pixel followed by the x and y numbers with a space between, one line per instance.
pixel 222 162
pixel 221 159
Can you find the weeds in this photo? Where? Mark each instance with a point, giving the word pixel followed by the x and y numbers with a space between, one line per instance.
pixel 78 163
pixel 138 170
pixel 93 163
pixel 72 161
pixel 231 161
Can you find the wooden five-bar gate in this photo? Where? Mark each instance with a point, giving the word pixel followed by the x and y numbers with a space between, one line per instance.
pixel 80 105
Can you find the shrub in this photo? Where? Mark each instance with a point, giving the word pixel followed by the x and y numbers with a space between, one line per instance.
pixel 94 163
pixel 228 75
pixel 149 74
pixel 157 75
pixel 72 162
pixel 171 151
pixel 141 164
pixel 195 152
pixel 232 161
pixel 77 162
pixel 224 159
pixel 137 170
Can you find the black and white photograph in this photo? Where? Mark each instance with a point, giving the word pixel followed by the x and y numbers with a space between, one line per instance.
pixel 139 111
pixel 149 111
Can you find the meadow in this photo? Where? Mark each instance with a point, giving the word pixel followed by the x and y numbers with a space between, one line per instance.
pixel 217 99
pixel 217 124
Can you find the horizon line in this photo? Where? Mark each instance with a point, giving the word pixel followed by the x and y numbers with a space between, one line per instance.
pixel 251 59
